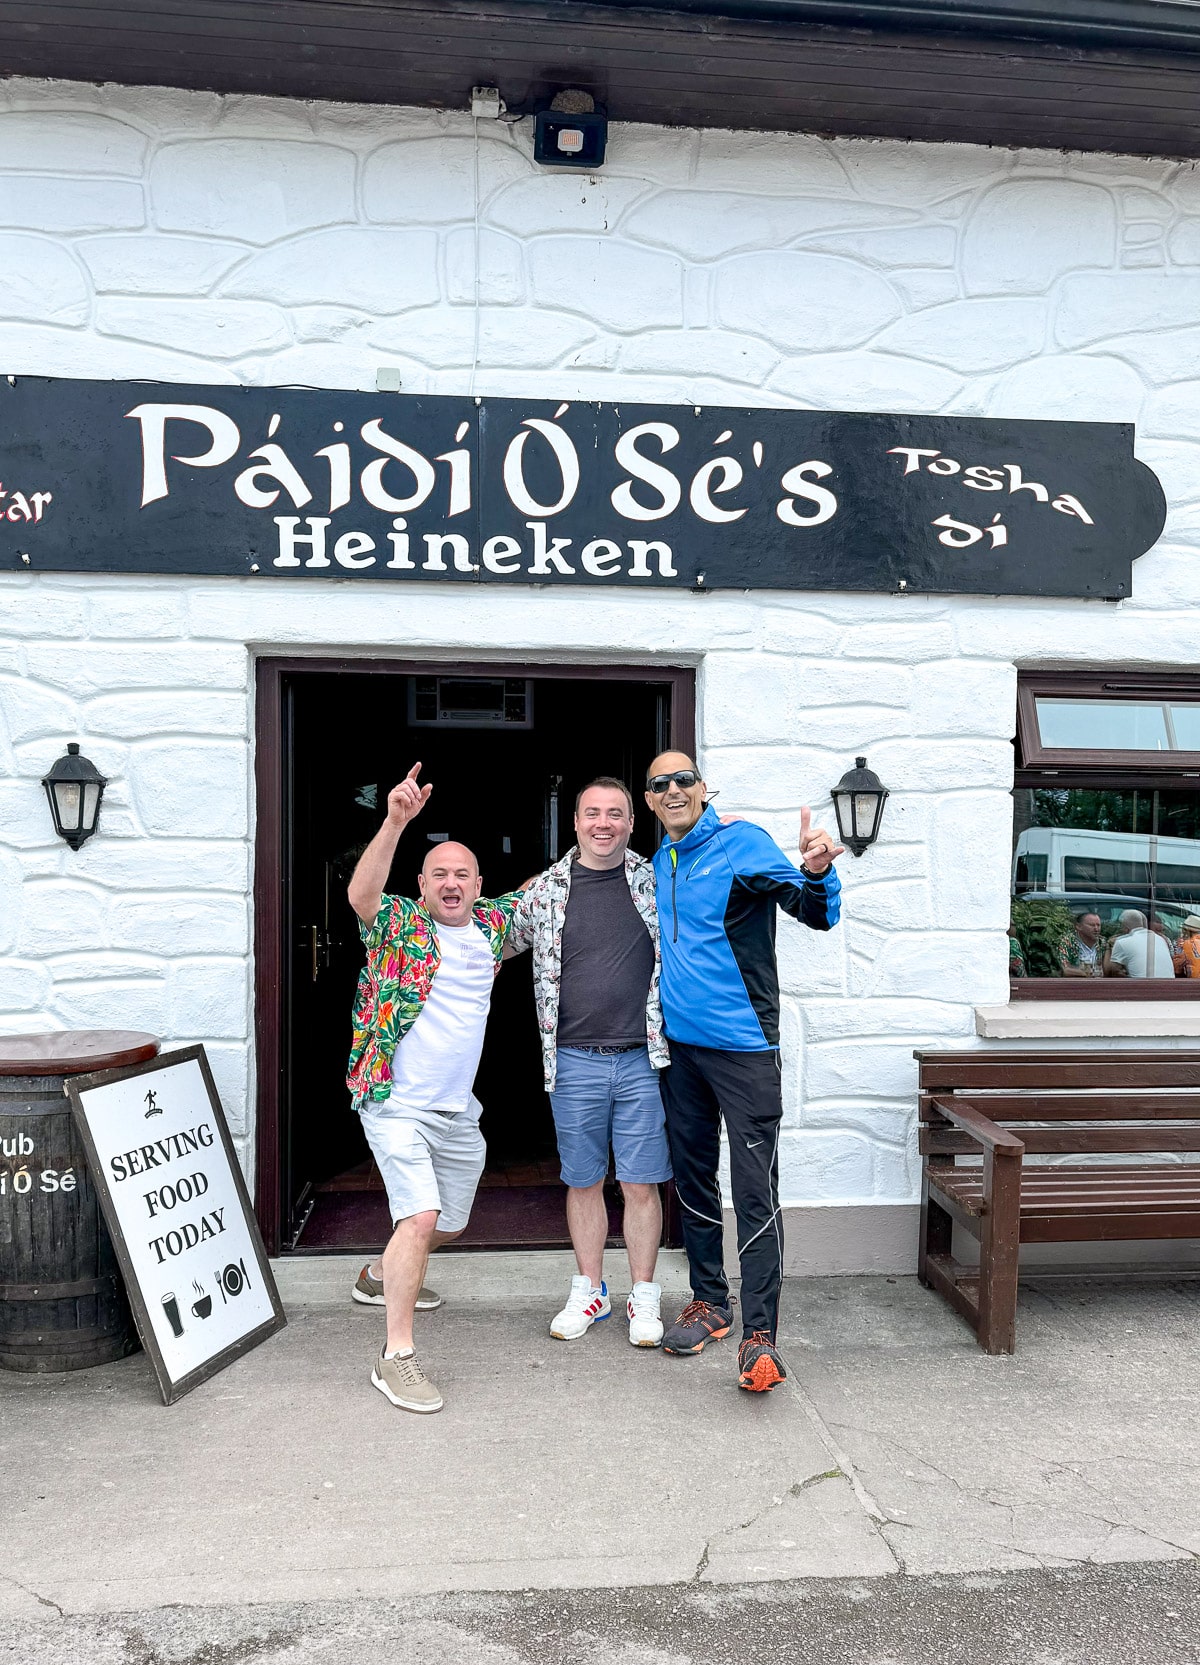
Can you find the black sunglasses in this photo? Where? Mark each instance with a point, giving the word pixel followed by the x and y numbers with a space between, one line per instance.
pixel 658 784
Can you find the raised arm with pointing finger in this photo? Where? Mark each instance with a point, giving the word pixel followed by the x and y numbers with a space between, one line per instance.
pixel 371 875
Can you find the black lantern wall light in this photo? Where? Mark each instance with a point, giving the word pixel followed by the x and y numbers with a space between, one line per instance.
pixel 858 800
pixel 74 787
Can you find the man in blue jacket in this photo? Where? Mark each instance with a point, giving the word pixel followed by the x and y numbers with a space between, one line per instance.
pixel 718 887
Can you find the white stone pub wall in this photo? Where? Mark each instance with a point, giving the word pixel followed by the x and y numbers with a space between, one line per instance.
pixel 184 237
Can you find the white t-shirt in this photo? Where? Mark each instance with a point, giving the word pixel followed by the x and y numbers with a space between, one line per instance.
pixel 1143 953
pixel 435 1062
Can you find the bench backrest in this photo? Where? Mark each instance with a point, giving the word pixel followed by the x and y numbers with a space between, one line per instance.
pixel 1096 1101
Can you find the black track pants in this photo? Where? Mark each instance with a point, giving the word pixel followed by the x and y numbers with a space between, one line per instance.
pixel 700 1087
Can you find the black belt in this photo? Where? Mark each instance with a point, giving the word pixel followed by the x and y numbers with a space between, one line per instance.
pixel 604 1051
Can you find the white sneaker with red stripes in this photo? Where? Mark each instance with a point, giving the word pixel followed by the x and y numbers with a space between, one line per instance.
pixel 645 1321
pixel 586 1305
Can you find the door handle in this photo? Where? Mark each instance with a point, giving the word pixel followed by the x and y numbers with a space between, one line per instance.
pixel 319 950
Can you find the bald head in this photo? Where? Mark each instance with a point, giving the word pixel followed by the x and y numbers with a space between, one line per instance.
pixel 448 852
pixel 450 883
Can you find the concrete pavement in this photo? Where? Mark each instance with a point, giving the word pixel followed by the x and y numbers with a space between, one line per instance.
pixel 1083 1446
pixel 896 1450
pixel 1148 1613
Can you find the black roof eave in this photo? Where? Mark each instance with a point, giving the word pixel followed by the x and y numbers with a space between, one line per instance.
pixel 935 70
pixel 1144 25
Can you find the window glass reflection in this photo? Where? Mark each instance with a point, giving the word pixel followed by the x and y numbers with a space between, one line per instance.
pixel 1099 725
pixel 1105 883
pixel 1185 720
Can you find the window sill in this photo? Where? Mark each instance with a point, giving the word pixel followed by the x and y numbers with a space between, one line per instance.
pixel 1087 1019
pixel 1103 988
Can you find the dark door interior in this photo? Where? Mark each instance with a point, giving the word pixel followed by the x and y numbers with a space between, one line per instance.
pixel 506 756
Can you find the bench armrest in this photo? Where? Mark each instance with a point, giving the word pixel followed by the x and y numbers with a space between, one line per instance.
pixel 977 1126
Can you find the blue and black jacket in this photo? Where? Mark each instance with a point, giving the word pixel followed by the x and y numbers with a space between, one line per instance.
pixel 718 888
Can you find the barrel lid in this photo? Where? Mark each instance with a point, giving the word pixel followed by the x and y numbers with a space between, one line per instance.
pixel 74 1051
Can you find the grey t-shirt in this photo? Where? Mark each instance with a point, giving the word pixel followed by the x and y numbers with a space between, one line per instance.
pixel 607 962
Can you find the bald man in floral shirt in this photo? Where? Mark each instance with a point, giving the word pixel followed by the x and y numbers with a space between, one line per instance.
pixel 419 1020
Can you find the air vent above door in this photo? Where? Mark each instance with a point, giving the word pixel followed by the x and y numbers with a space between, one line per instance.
pixel 470 702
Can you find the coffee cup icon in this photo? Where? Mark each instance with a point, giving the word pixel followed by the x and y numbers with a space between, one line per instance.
pixel 202 1307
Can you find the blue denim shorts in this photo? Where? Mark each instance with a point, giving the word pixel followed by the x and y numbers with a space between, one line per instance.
pixel 602 1099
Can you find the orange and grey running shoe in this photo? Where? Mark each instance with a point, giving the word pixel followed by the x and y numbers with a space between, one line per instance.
pixel 760 1366
pixel 697 1325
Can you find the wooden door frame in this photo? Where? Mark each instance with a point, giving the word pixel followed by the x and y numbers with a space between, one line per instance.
pixel 272 866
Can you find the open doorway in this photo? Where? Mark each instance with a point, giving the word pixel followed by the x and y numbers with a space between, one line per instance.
pixel 506 748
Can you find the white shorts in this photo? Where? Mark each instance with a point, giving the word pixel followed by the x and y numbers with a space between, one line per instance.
pixel 429 1162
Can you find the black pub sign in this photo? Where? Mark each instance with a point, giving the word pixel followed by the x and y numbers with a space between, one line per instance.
pixel 288 483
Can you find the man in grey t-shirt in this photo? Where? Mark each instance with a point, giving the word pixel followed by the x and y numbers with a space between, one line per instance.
pixel 591 922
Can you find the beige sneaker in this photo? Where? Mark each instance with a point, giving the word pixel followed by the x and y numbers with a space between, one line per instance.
pixel 405 1383
pixel 369 1291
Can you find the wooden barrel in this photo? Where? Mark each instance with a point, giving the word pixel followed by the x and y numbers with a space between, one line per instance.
pixel 62 1299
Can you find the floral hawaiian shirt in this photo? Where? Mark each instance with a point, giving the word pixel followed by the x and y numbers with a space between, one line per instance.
pixel 538 924
pixel 402 961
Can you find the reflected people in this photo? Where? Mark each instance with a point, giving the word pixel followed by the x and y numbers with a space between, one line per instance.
pixel 1187 955
pixel 1137 950
pixel 1083 954
pixel 1016 954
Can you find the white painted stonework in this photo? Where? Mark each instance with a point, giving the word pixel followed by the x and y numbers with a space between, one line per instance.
pixel 185 237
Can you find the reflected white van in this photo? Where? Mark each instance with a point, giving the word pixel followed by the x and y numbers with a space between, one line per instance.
pixel 1080 864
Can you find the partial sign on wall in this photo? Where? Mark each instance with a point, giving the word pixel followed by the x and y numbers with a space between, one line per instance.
pixel 176 1207
pixel 270 483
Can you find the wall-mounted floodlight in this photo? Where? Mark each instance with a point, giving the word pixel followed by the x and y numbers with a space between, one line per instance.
pixel 572 133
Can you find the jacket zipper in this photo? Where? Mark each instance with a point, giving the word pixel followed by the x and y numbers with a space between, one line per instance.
pixel 674 909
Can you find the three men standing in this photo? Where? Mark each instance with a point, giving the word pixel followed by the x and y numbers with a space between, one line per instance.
pixel 612 936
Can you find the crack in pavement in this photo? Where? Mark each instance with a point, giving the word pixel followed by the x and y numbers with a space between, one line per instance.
pixel 796 1490
pixel 874 1510
pixel 1119 1525
pixel 982 1495
pixel 815 1480
pixel 866 1501
pixel 843 1469
pixel 33 1595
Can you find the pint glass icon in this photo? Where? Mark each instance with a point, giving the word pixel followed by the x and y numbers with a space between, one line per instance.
pixel 171 1308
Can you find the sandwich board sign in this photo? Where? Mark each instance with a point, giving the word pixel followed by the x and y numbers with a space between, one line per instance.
pixel 178 1213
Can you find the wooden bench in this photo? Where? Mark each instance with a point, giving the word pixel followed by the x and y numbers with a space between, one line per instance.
pixel 987 1104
